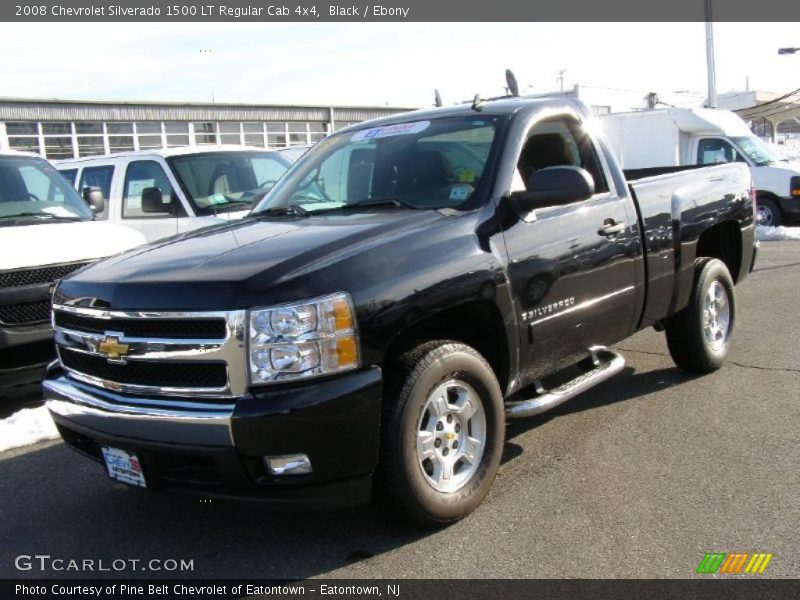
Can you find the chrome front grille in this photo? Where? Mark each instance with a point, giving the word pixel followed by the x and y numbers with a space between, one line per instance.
pixel 109 349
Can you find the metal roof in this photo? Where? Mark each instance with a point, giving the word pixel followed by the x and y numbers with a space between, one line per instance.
pixel 776 108
pixel 23 109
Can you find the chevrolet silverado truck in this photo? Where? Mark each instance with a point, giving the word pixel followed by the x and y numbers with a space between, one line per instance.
pixel 407 287
pixel 46 232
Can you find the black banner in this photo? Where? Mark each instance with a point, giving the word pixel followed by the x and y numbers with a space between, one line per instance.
pixel 277 11
pixel 418 589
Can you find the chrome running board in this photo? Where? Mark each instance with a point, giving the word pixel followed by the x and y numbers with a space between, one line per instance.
pixel 606 364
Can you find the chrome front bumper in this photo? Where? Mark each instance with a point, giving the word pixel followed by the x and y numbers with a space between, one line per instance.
pixel 149 419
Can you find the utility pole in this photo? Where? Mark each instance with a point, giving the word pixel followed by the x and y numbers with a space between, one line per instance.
pixel 712 76
pixel 561 78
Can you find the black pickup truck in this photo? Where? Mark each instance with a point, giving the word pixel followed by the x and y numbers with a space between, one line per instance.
pixel 408 286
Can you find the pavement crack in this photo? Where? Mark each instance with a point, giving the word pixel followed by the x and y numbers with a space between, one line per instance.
pixel 730 362
pixel 642 352
pixel 761 368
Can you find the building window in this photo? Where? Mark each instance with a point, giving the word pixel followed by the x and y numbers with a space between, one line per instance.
pixel 56 147
pixel 298 134
pixel 56 129
pixel 599 111
pixel 205 134
pixel 148 134
pixel 253 134
pixel 177 133
pixel 230 133
pixel 120 128
pixel 22 129
pixel 90 145
pixel 120 143
pixel 89 128
pixel 276 135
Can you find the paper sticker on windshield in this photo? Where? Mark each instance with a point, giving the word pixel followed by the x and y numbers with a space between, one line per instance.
pixel 218 199
pixel 390 130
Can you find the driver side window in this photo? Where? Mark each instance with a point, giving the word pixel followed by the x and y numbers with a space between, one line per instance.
pixel 558 142
pixel 713 151
pixel 141 175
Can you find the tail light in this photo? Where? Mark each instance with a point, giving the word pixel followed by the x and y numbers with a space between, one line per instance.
pixel 794 187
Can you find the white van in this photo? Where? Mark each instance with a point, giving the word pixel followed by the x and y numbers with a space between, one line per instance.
pixel 164 192
pixel 46 232
pixel 683 136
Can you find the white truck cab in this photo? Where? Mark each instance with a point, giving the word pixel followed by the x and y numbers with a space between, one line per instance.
pixel 46 232
pixel 165 192
pixel 702 136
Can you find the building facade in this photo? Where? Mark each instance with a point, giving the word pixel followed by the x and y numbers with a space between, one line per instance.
pixel 61 129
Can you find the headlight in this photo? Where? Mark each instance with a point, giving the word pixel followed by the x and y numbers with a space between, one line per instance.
pixel 304 339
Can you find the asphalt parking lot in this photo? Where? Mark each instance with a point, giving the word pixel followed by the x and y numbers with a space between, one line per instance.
pixel 639 477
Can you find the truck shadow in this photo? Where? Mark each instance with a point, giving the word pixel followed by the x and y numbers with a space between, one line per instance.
pixel 58 503
pixel 627 385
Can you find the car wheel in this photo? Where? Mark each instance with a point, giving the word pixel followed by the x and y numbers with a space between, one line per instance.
pixel 699 335
pixel 768 213
pixel 443 433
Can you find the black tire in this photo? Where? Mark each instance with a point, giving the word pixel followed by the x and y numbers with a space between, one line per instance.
pixel 769 212
pixel 411 379
pixel 690 348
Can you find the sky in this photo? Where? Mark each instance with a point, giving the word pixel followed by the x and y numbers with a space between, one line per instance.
pixel 380 63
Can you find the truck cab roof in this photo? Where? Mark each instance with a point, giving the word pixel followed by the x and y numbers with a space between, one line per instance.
pixel 492 107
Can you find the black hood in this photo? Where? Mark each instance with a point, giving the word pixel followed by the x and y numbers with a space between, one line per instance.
pixel 245 263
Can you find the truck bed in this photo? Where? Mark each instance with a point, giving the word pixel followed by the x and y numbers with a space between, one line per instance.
pixel 674 205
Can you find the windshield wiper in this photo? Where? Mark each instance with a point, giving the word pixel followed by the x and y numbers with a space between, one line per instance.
pixel 45 216
pixel 293 210
pixel 382 202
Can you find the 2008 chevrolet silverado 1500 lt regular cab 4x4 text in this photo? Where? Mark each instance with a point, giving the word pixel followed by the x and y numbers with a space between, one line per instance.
pixel 409 285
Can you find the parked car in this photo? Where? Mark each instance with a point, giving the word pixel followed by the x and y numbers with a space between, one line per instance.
pixel 164 192
pixel 46 232
pixel 701 136
pixel 408 286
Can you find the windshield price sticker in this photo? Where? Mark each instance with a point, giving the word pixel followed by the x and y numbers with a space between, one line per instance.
pixel 390 130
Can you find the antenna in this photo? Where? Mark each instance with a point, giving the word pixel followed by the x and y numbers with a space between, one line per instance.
pixel 437 99
pixel 511 82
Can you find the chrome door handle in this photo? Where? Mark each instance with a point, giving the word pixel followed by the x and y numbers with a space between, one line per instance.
pixel 611 228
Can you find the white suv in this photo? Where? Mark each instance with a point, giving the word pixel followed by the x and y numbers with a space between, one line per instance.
pixel 164 192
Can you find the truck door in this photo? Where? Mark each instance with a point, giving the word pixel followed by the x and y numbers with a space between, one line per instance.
pixel 571 267
pixel 154 221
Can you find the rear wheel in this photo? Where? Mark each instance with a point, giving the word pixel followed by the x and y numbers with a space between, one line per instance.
pixel 443 433
pixel 768 213
pixel 699 336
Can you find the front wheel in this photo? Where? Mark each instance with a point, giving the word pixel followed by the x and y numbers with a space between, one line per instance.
pixel 699 335
pixel 443 433
pixel 768 213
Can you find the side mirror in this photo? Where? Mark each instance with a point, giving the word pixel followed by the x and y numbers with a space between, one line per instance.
pixel 153 201
pixel 554 186
pixel 95 199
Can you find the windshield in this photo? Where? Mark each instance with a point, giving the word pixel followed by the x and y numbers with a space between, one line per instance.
pixel 30 188
pixel 223 181
pixel 756 150
pixel 419 164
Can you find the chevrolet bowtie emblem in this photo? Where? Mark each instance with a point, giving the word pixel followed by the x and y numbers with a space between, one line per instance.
pixel 449 436
pixel 112 348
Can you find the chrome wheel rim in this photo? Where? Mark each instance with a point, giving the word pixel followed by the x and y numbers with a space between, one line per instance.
pixel 716 316
pixel 763 215
pixel 451 436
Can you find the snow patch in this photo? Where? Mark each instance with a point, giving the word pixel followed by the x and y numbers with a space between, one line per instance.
pixel 26 427
pixel 776 234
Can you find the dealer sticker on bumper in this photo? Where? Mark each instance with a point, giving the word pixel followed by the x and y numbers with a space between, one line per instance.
pixel 123 466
